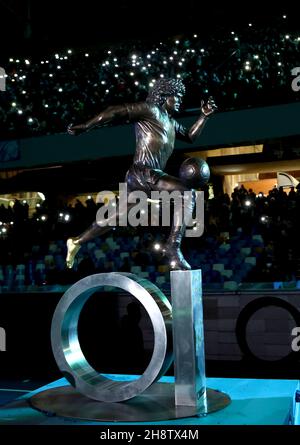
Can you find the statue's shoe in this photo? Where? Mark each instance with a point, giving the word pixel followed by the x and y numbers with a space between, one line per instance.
pixel 72 251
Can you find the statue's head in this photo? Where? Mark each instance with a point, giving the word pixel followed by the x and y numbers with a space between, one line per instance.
pixel 165 89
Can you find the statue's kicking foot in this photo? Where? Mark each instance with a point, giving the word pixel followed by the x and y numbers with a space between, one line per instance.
pixel 175 257
pixel 73 248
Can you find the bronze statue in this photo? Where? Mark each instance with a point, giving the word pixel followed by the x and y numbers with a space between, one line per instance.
pixel 155 130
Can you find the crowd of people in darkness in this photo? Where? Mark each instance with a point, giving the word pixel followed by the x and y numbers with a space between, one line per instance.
pixel 248 66
pixel 274 217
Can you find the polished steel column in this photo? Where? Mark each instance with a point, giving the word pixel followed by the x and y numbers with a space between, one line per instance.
pixel 188 338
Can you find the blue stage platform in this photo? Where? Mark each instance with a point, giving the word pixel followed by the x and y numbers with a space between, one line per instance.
pixel 254 402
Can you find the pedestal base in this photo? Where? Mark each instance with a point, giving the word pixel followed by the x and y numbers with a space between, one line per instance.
pixel 157 403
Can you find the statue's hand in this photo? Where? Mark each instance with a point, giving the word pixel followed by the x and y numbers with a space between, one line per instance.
pixel 70 130
pixel 73 130
pixel 209 107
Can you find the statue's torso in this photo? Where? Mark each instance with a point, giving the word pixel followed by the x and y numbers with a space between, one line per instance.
pixel 155 137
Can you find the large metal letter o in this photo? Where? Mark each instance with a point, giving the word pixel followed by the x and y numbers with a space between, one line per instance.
pixel 66 346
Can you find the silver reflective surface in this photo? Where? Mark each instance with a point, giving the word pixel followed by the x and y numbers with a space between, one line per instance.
pixel 66 346
pixel 157 403
pixel 189 363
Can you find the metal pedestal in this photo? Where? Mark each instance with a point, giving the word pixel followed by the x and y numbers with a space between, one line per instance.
pixel 156 403
pixel 95 397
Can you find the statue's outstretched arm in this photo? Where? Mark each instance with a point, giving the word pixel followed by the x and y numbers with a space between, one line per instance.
pixel 112 115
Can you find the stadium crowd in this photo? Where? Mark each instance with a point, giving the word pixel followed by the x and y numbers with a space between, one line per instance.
pixel 246 67
pixel 253 237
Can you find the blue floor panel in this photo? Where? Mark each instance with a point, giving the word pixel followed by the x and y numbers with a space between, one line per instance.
pixel 254 402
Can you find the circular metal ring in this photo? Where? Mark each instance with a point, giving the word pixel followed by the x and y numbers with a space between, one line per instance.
pixel 66 346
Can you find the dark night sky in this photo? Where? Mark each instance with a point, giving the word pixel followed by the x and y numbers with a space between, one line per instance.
pixel 60 23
